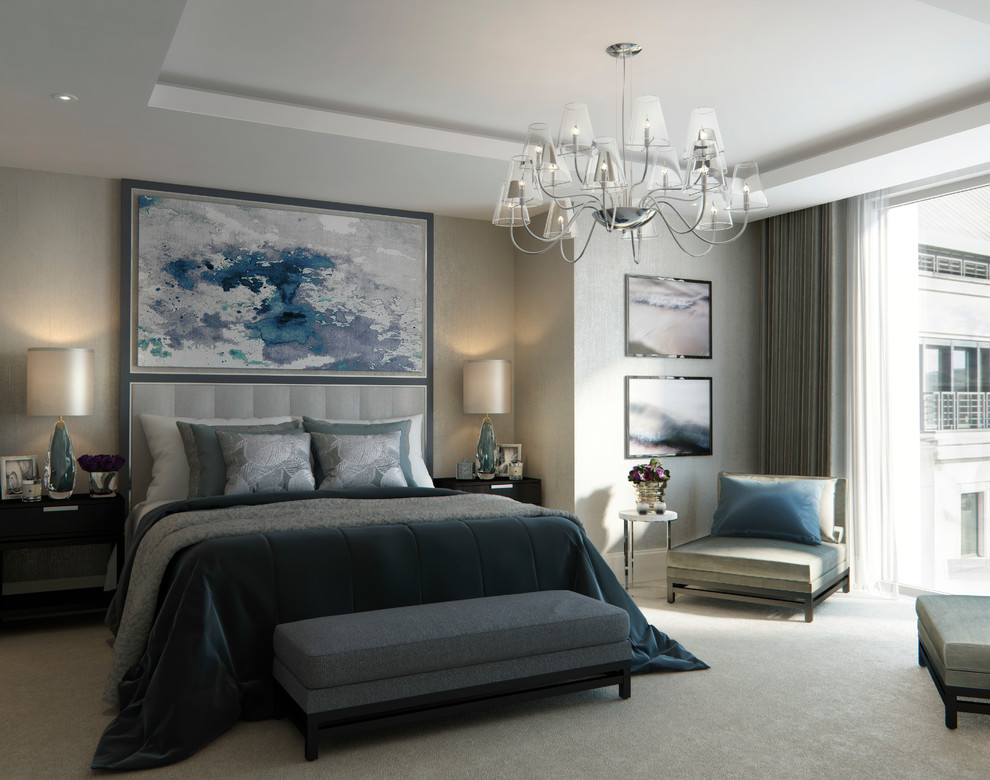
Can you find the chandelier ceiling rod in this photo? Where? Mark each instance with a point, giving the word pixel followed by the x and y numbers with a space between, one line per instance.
pixel 579 171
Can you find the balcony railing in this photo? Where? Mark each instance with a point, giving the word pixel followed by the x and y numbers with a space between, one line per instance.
pixel 955 411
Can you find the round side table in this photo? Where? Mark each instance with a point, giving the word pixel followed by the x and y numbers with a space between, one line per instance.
pixel 630 516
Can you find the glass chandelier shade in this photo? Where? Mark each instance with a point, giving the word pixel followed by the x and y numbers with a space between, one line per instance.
pixel 647 127
pixel 576 135
pixel 715 215
pixel 665 169
pixel 510 212
pixel 746 192
pixel 631 185
pixel 540 148
pixel 703 128
pixel 560 222
pixel 605 168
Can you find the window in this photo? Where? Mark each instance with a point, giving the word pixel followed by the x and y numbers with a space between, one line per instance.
pixel 971 520
pixel 955 386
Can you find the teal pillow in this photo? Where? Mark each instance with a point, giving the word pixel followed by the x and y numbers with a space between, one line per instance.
pixel 769 510
pixel 207 470
pixel 361 429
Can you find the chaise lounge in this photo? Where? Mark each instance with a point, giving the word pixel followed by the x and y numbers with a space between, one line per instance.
pixel 774 540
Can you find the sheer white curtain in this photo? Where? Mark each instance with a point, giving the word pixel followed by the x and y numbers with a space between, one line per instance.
pixel 870 385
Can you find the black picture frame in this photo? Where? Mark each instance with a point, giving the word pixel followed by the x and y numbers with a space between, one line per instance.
pixel 668 317
pixel 668 416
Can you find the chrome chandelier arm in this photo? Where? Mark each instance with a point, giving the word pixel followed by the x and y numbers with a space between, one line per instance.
pixel 554 242
pixel 652 202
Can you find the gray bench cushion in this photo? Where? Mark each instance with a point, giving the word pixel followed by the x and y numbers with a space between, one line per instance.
pixel 363 647
pixel 769 563
pixel 956 632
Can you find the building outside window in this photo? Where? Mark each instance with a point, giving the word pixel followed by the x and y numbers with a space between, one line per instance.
pixel 944 548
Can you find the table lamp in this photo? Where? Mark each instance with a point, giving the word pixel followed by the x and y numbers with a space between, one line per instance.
pixel 60 382
pixel 487 390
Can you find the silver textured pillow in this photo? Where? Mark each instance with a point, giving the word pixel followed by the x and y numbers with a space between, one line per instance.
pixel 266 463
pixel 356 460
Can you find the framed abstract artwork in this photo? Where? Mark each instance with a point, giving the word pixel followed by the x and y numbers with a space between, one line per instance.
pixel 667 415
pixel 222 282
pixel 668 317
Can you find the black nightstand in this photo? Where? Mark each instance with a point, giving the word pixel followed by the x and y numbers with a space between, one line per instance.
pixel 48 523
pixel 527 489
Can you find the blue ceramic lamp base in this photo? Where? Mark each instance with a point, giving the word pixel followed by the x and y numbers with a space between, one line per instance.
pixel 486 450
pixel 60 469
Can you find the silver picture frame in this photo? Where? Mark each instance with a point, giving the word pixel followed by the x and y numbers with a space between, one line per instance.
pixel 668 317
pixel 667 416
pixel 16 469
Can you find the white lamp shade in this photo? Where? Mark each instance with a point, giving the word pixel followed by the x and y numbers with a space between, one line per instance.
pixel 61 381
pixel 487 386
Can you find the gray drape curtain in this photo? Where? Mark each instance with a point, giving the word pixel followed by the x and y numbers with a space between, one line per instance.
pixel 796 344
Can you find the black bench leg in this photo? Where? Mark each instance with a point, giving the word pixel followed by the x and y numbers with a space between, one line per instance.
pixel 809 611
pixel 312 740
pixel 951 717
pixel 625 687
pixel 670 591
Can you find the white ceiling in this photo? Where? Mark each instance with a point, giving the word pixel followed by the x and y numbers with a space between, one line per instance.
pixel 418 105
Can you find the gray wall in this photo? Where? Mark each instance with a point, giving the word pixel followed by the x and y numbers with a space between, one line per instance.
pixel 577 424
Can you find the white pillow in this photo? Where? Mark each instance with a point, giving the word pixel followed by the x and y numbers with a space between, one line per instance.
pixel 169 467
pixel 420 474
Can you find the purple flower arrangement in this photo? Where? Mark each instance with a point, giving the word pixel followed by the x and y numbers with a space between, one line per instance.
pixel 649 472
pixel 93 463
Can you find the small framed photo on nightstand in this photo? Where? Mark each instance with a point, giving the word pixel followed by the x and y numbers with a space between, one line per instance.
pixel 16 469
pixel 506 454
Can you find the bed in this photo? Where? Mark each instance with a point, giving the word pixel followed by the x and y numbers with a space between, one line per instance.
pixel 208 576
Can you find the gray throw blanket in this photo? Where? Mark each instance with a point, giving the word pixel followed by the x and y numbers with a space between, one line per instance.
pixel 177 531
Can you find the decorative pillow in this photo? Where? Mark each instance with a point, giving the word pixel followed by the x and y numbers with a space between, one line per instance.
pixel 169 468
pixel 266 462
pixel 420 474
pixel 826 510
pixel 769 510
pixel 207 469
pixel 356 460
pixel 361 428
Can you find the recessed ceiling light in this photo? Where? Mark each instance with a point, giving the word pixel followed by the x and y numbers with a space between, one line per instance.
pixel 65 97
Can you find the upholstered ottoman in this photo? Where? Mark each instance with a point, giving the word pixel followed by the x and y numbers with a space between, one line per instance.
pixel 348 673
pixel 765 570
pixel 954 643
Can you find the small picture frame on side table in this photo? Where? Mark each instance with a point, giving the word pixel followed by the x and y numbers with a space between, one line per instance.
pixel 506 454
pixel 16 469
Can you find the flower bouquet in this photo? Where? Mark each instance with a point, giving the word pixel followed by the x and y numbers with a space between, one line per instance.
pixel 650 480
pixel 102 473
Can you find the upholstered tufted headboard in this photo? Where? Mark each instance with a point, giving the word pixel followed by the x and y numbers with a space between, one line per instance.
pixel 236 400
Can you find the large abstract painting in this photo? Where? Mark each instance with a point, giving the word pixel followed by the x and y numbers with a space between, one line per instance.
pixel 228 284
pixel 668 415
pixel 668 317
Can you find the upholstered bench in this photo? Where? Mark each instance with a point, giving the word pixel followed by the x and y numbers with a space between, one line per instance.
pixel 954 643
pixel 348 673
pixel 744 565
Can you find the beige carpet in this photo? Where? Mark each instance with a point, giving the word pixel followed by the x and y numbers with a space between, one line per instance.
pixel 842 697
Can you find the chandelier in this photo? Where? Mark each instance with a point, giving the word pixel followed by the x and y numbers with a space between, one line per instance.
pixel 629 192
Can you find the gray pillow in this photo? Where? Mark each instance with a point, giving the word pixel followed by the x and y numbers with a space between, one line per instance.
pixel 207 470
pixel 363 428
pixel 266 462
pixel 360 460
